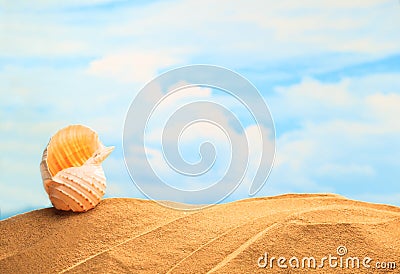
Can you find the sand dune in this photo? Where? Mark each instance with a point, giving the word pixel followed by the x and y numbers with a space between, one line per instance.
pixel 137 236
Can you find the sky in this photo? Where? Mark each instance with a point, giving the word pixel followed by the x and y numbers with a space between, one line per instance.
pixel 329 72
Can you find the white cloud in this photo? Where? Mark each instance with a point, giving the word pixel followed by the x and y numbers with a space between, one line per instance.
pixel 271 29
pixel 313 99
pixel 133 66
pixel 330 147
pixel 352 104
pixel 385 109
pixel 268 30
pixel 46 36
pixel 172 102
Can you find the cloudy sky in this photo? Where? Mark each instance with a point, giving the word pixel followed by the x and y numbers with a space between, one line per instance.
pixel 328 70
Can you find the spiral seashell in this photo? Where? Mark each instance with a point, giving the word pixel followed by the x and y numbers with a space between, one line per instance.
pixel 71 169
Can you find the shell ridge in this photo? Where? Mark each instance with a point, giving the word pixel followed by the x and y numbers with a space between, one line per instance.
pixel 88 172
pixel 72 202
pixel 78 188
pixel 79 181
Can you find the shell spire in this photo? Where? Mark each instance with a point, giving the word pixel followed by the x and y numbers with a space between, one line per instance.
pixel 71 168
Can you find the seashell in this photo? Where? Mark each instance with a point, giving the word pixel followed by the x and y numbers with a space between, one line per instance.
pixel 71 168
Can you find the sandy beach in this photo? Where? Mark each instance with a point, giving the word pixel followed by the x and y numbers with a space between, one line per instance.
pixel 140 236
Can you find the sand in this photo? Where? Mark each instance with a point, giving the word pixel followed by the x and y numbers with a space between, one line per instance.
pixel 139 236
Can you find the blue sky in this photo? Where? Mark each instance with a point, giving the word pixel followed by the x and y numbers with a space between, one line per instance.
pixel 328 70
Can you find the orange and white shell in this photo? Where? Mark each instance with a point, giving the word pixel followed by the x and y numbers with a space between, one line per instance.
pixel 71 168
